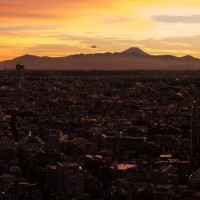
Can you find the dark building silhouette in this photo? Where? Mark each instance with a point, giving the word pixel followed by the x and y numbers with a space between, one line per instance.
pixel 19 72
pixel 65 181
pixel 195 136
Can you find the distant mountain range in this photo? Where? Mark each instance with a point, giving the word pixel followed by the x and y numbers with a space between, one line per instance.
pixel 130 59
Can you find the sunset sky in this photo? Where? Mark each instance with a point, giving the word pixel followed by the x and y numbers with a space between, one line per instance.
pixel 63 27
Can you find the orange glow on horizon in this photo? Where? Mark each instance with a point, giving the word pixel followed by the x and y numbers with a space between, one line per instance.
pixel 60 28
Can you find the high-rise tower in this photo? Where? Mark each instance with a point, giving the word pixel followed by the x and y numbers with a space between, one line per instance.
pixel 65 180
pixel 19 73
pixel 195 135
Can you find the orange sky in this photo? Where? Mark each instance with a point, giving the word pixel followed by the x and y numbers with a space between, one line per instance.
pixel 63 27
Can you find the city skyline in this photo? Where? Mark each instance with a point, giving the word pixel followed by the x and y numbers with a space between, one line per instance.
pixel 62 28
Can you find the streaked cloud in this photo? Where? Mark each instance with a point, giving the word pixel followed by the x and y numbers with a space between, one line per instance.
pixel 116 19
pixel 26 27
pixel 178 45
pixel 183 19
pixel 63 27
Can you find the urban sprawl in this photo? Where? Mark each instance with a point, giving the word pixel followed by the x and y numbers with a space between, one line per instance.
pixel 113 135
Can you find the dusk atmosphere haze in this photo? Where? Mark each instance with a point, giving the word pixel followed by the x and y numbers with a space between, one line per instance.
pixel 130 59
pixel 99 99
pixel 62 28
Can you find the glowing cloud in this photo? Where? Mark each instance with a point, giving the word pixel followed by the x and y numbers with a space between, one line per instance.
pixel 60 28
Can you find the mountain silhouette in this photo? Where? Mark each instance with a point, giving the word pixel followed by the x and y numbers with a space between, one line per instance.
pixel 130 59
pixel 135 50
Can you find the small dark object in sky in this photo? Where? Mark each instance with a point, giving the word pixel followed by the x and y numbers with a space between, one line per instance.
pixel 93 47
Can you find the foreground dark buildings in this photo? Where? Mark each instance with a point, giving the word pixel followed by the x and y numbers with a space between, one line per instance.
pixel 99 135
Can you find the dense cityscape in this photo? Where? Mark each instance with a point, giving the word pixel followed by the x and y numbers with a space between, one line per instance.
pixel 113 135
